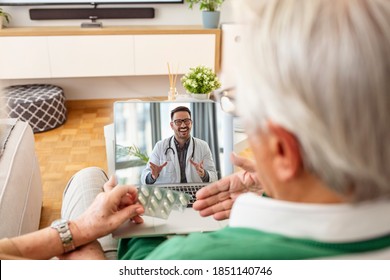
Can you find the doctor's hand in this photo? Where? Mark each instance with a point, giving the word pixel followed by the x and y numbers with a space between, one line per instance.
pixel 156 169
pixel 217 198
pixel 199 168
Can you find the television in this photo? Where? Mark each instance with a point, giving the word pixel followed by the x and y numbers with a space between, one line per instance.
pixel 82 2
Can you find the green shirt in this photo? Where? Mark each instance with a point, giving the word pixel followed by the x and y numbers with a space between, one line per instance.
pixel 264 228
pixel 240 244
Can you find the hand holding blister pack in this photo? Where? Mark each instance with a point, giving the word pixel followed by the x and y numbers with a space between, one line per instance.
pixel 159 202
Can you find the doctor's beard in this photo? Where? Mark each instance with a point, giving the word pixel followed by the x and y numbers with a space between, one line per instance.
pixel 183 133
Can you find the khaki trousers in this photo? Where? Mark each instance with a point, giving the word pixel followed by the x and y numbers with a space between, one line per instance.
pixel 79 193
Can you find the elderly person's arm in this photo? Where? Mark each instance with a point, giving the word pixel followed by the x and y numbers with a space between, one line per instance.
pixel 109 210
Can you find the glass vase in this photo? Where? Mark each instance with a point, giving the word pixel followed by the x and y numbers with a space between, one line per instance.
pixel 172 93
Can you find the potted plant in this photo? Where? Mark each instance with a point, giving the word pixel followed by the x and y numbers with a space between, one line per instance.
pixel 130 156
pixel 4 17
pixel 210 12
pixel 200 82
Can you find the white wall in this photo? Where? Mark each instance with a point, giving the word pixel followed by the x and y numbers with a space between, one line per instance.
pixel 115 87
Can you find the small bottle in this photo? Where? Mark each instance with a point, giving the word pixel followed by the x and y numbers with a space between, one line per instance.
pixel 172 93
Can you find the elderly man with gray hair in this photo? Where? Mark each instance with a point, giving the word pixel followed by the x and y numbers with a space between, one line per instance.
pixel 314 93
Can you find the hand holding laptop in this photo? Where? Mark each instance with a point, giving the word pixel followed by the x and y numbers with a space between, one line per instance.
pixel 217 198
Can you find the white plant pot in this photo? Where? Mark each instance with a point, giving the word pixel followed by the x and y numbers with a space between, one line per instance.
pixel 200 96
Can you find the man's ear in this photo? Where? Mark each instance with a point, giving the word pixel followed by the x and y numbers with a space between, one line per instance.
pixel 286 154
pixel 171 123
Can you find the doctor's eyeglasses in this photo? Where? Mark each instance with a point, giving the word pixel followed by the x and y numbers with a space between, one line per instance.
pixel 178 122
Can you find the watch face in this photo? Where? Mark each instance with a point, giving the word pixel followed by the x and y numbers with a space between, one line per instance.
pixel 58 222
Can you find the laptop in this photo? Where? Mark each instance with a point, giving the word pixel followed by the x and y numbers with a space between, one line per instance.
pixel 139 125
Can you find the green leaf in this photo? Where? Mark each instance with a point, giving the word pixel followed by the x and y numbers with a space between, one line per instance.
pixel 200 79
pixel 6 15
pixel 205 5
pixel 132 151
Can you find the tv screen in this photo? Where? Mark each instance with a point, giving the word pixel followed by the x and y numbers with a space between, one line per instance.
pixel 84 2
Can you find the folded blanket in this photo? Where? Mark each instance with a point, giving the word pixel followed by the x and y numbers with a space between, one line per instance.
pixel 6 126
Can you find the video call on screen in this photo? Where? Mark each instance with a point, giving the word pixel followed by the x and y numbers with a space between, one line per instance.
pixel 140 125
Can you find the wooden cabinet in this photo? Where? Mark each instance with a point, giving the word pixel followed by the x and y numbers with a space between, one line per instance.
pixel 91 56
pixel 230 53
pixel 153 52
pixel 74 52
pixel 24 57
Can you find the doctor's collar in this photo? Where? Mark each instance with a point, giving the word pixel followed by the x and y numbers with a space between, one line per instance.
pixel 186 144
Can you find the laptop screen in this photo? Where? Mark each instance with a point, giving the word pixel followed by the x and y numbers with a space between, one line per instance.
pixel 147 138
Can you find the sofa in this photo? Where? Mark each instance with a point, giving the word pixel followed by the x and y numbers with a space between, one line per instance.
pixel 20 180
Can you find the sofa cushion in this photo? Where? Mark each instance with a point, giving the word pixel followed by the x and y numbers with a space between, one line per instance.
pixel 6 127
pixel 20 183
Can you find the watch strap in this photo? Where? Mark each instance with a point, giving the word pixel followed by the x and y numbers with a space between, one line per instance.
pixel 62 227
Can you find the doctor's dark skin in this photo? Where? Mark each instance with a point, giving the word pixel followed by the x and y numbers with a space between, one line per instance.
pixel 182 133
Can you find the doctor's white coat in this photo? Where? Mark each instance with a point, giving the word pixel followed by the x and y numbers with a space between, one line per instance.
pixel 171 172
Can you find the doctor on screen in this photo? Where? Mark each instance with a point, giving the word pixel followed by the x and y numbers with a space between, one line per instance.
pixel 180 158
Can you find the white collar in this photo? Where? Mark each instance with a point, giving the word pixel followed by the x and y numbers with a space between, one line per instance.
pixel 326 223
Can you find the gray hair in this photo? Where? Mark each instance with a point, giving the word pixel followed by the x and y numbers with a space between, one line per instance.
pixel 321 69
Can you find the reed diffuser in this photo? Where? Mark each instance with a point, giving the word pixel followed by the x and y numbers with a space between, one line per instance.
pixel 172 93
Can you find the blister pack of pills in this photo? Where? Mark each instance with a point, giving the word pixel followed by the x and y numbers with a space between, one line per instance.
pixel 159 202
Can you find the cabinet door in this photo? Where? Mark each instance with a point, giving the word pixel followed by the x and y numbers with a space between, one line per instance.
pixel 24 57
pixel 153 52
pixel 231 49
pixel 91 56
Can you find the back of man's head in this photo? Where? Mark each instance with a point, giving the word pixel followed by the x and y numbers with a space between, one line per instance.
pixel 321 69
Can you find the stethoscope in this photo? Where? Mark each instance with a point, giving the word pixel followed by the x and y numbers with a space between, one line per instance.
pixel 173 151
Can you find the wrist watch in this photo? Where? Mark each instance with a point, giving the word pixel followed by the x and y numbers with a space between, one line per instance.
pixel 62 226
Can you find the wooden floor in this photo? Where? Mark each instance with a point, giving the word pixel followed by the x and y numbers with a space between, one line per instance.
pixel 65 150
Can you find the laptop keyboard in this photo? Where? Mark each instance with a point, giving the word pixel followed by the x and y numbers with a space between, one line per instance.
pixel 191 190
